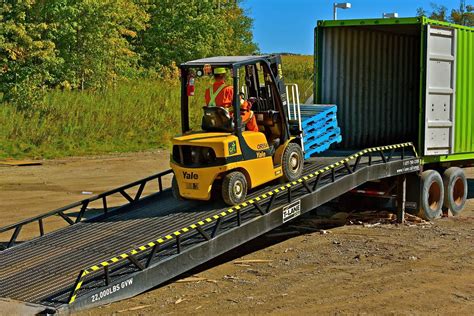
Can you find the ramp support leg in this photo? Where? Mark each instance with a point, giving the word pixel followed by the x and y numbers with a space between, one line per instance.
pixel 401 197
pixel 106 275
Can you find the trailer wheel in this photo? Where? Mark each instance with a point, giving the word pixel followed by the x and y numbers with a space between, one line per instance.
pixel 432 195
pixel 455 189
pixel 234 188
pixel 292 162
pixel 175 189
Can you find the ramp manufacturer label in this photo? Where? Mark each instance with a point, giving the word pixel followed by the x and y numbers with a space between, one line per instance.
pixel 411 165
pixel 292 211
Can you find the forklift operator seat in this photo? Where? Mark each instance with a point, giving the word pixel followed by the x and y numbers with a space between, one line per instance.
pixel 217 119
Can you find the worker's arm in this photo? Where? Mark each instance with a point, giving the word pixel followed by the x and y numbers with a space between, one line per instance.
pixel 228 96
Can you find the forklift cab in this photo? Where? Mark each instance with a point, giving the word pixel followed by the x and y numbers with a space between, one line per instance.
pixel 255 79
pixel 223 154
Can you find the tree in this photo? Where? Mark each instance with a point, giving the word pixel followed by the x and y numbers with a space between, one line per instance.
pixel 93 39
pixel 182 29
pixel 462 16
pixel 92 43
pixel 25 57
pixel 238 31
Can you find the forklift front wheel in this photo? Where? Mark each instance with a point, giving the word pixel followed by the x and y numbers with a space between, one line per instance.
pixel 292 162
pixel 175 189
pixel 234 188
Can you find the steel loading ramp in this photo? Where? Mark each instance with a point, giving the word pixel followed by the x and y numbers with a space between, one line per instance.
pixel 155 239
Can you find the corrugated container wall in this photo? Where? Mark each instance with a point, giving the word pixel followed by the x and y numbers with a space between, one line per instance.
pixel 373 74
pixel 464 122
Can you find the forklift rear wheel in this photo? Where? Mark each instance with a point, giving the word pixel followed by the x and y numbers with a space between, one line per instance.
pixel 292 162
pixel 175 189
pixel 234 188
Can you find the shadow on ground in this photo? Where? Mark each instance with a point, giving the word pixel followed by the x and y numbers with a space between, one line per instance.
pixel 269 239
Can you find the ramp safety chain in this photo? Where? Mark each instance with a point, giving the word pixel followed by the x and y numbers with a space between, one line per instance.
pixel 16 228
pixel 143 256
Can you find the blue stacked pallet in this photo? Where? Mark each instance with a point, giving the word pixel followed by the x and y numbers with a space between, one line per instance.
pixel 320 129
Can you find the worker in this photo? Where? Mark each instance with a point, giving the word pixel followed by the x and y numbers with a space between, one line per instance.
pixel 222 95
pixel 246 113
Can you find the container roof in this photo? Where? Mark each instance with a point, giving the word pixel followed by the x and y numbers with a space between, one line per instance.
pixel 421 20
pixel 361 22
pixel 224 60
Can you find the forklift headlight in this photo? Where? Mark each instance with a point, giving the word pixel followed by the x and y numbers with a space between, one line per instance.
pixel 194 154
pixel 208 155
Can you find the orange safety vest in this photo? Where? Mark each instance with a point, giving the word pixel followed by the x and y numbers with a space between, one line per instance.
pixel 213 95
pixel 248 118
pixel 222 96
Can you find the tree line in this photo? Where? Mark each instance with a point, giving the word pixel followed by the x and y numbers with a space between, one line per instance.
pixel 463 15
pixel 91 44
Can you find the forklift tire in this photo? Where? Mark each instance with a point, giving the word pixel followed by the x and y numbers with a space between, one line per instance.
pixel 455 190
pixel 175 189
pixel 292 162
pixel 234 188
pixel 432 195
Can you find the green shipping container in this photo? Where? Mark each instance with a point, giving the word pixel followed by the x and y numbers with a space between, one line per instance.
pixel 398 80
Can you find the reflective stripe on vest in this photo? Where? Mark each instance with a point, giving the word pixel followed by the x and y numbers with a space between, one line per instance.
pixel 213 95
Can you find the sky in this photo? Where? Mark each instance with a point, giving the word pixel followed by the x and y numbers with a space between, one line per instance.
pixel 288 25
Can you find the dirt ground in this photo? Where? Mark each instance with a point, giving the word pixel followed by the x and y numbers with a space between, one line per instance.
pixel 384 269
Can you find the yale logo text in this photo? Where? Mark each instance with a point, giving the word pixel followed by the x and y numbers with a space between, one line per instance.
pixel 190 175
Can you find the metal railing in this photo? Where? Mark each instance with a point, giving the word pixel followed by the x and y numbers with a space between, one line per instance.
pixel 83 207
pixel 208 228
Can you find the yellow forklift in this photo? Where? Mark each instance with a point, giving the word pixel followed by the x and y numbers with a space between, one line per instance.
pixel 223 157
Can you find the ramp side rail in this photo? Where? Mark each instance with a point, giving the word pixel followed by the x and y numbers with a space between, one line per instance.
pixel 159 249
pixel 62 212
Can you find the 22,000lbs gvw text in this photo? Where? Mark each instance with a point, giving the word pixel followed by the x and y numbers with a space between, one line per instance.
pixel 110 290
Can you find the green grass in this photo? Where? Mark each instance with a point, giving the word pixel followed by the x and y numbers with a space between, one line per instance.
pixel 134 116
pixel 299 69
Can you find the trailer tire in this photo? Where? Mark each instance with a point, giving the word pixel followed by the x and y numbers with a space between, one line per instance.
pixel 175 189
pixel 455 189
pixel 432 195
pixel 292 162
pixel 234 188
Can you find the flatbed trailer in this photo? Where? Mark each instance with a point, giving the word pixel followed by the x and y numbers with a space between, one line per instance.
pixel 152 239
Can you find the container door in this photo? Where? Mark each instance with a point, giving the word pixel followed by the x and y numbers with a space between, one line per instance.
pixel 440 90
